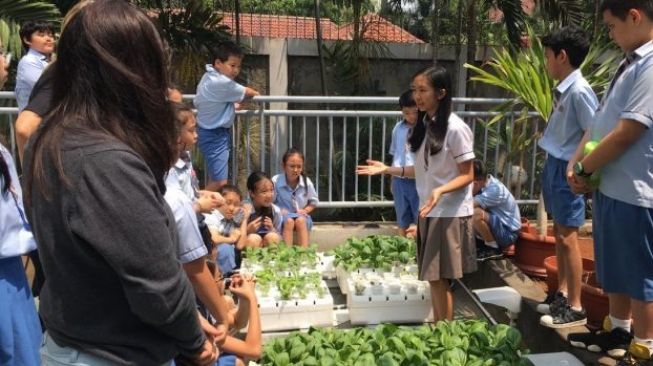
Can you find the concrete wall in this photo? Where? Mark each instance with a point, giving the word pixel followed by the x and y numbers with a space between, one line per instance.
pixel 293 65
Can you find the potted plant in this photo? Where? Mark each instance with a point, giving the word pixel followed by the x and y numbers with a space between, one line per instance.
pixel 594 301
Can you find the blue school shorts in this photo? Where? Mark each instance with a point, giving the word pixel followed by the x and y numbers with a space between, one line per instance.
pixel 502 234
pixel 566 207
pixel 215 145
pixel 226 258
pixel 404 192
pixel 623 247
pixel 226 359
pixel 309 220
pixel 20 330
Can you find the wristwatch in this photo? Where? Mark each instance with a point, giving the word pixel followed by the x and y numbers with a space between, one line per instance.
pixel 579 171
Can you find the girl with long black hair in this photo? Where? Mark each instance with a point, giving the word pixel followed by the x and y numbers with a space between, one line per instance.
pixel 443 170
pixel 114 291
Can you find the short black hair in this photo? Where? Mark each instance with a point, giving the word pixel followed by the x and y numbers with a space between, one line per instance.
pixel 30 27
pixel 572 39
pixel 406 99
pixel 620 8
pixel 480 171
pixel 225 49
pixel 230 188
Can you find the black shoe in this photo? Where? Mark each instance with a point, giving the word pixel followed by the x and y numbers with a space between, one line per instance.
pixel 615 342
pixel 552 303
pixel 488 253
pixel 564 318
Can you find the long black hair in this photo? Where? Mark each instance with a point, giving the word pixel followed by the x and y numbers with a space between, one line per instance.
pixel 110 81
pixel 5 177
pixel 284 159
pixel 435 131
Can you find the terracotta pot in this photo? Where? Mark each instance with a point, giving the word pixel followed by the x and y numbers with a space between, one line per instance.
pixel 594 301
pixel 531 250
pixel 551 266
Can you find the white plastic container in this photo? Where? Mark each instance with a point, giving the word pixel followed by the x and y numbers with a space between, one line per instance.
pixel 279 314
pixel 371 308
pixel 326 265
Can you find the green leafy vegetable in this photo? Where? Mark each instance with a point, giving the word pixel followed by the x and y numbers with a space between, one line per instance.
pixel 456 343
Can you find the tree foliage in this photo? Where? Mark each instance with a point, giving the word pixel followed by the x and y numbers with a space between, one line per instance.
pixel 14 12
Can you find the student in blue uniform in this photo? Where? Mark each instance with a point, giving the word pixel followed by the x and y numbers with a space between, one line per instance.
pixel 20 331
pixel 404 190
pixel 573 111
pixel 496 214
pixel 295 195
pixel 623 202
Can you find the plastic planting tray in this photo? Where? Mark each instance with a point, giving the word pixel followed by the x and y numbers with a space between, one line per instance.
pixel 277 314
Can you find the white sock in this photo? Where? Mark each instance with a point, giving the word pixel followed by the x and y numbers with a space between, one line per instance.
pixel 620 323
pixel 576 308
pixel 492 244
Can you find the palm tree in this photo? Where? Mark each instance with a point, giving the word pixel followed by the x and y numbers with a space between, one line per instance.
pixel 190 31
pixel 14 12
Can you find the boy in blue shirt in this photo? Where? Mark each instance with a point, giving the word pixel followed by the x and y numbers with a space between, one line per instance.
pixel 496 215
pixel 573 109
pixel 215 100
pixel 403 188
pixel 38 39
pixel 623 202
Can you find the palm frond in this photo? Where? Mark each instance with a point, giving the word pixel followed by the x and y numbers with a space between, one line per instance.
pixel 23 10
pixel 522 74
pixel 514 19
pixel 563 12
pixel 14 12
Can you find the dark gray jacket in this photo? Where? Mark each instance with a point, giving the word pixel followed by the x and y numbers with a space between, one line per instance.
pixel 107 242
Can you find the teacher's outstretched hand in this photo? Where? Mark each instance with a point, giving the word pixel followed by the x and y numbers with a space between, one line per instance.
pixel 374 167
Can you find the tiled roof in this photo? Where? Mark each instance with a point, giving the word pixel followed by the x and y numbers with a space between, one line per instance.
pixel 378 28
pixel 287 26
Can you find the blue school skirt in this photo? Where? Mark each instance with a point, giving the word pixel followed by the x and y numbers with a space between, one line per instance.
pixel 20 329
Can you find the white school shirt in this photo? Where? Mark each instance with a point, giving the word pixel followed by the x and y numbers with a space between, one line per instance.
pixel 443 167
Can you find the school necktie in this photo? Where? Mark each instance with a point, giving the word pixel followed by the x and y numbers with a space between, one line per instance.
pixel 624 65
pixel 557 95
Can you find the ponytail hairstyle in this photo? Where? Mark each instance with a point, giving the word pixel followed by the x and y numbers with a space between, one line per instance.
pixel 292 151
pixel 434 131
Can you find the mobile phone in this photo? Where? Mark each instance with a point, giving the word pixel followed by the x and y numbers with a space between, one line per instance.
pixel 8 57
pixel 266 212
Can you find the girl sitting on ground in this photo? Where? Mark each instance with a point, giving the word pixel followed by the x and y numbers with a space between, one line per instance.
pixel 296 197
pixel 264 224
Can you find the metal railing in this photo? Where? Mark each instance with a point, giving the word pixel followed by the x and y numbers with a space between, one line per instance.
pixel 338 133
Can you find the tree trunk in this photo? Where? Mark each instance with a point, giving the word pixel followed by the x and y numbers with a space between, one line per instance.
pixel 237 20
pixel 435 34
pixel 460 70
pixel 597 19
pixel 471 32
pixel 542 219
pixel 318 37
pixel 355 44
